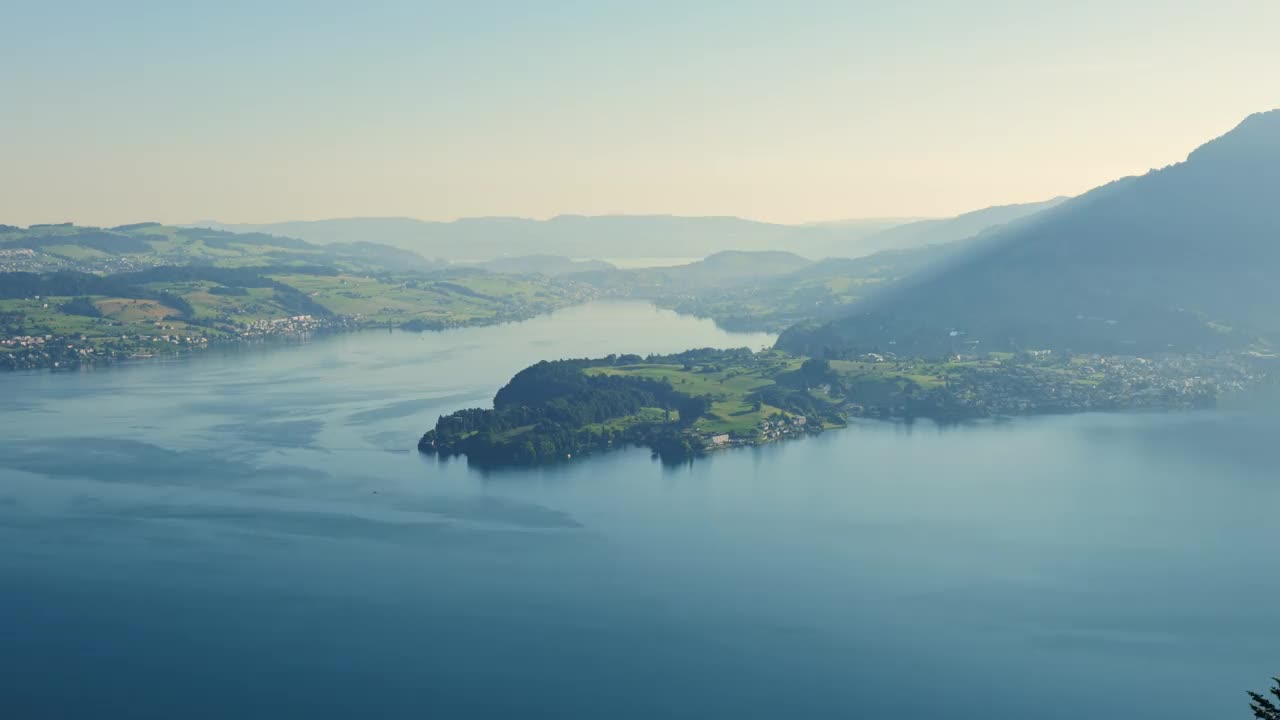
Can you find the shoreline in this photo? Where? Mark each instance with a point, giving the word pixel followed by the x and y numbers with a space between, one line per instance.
pixel 698 402
pixel 852 421
pixel 322 327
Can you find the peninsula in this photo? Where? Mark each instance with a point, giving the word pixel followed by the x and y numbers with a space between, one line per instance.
pixel 694 402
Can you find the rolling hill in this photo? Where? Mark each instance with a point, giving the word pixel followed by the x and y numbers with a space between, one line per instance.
pixel 141 245
pixel 819 291
pixel 939 231
pixel 1182 258
pixel 727 269
pixel 549 265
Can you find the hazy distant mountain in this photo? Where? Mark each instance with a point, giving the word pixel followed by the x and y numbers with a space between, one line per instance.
pixel 613 236
pixel 1185 257
pixel 626 236
pixel 937 231
pixel 403 233
pixel 822 290
pixel 870 225
pixel 731 268
pixel 549 265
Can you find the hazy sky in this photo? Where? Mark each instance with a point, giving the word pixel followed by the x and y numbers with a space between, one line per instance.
pixel 114 112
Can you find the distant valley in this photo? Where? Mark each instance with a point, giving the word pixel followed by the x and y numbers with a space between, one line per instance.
pixel 1179 260
pixel 75 295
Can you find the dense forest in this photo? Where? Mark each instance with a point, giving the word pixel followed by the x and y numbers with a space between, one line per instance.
pixel 553 410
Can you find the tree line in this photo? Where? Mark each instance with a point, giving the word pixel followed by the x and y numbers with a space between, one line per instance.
pixel 552 410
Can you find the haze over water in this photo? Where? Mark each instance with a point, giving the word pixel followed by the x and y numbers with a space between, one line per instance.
pixel 252 530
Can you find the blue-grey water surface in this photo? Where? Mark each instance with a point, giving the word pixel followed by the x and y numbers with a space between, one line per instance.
pixel 249 533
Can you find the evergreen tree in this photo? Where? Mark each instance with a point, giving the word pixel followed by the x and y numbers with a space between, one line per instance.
pixel 1264 709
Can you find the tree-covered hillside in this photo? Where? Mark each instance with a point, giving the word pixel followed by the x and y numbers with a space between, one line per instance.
pixel 678 405
pixel 68 318
pixel 142 245
pixel 1183 258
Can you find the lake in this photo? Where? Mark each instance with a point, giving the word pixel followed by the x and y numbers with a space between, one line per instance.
pixel 249 533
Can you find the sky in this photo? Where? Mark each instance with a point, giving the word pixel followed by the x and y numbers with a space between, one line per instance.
pixel 780 111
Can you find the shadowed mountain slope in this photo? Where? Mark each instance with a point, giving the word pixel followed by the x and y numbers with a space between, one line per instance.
pixel 1186 257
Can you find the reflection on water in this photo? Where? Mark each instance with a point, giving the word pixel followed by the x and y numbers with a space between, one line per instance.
pixel 248 533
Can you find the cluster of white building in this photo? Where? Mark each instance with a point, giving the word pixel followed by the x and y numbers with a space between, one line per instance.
pixel 25 340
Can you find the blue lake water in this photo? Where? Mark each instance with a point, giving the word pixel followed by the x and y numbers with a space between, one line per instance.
pixel 248 533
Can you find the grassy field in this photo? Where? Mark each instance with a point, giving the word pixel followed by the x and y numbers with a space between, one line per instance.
pixel 454 300
pixel 129 310
pixel 42 317
pixel 924 374
pixel 129 325
pixel 75 252
pixel 254 305
pixel 727 386
pixel 645 416
pixel 136 313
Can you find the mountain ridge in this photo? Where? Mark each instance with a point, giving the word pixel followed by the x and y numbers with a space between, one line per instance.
pixel 1180 257
pixel 629 236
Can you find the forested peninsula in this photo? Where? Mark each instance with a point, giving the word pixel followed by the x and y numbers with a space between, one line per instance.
pixel 697 401
pixel 677 405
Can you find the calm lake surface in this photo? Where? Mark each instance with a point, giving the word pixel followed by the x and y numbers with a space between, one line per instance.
pixel 249 533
